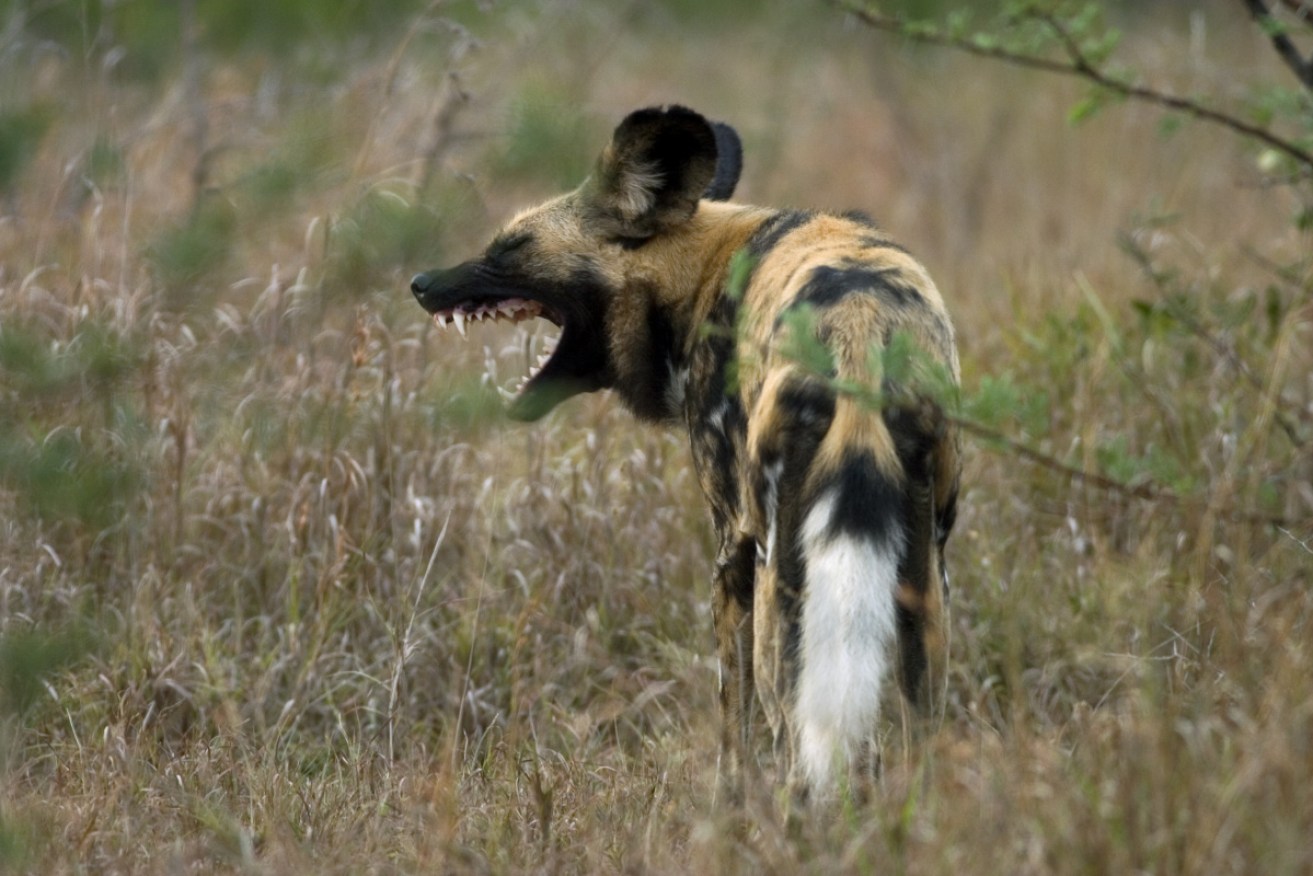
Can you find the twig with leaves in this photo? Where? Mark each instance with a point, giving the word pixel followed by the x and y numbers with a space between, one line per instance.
pixel 1077 62
pixel 1064 47
pixel 1276 31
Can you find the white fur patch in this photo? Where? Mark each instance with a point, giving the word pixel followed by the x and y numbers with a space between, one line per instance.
pixel 637 190
pixel 716 419
pixel 676 389
pixel 847 632
pixel 771 503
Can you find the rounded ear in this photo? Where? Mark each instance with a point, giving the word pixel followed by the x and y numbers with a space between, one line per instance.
pixel 729 163
pixel 658 165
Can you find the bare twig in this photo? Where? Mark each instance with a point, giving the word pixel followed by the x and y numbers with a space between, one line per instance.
pixel 389 80
pixel 1303 69
pixel 1076 64
pixel 195 99
pixel 455 98
pixel 1304 543
pixel 1146 492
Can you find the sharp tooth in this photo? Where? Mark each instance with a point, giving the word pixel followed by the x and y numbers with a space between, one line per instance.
pixel 459 318
pixel 505 393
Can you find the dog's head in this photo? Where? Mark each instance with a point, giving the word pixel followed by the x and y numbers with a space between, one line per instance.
pixel 572 259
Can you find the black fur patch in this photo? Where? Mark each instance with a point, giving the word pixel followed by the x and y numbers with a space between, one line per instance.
pixel 811 408
pixel 945 519
pixel 715 417
pixel 631 243
pixel 869 503
pixel 743 560
pixel 914 438
pixel 912 661
pixel 874 241
pixel 729 163
pixel 861 217
pixel 723 319
pixel 645 390
pixel 769 234
pixel 829 285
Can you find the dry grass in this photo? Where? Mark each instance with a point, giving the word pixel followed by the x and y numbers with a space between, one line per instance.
pixel 279 592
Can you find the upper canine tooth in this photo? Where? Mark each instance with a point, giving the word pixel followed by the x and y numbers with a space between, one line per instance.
pixel 459 318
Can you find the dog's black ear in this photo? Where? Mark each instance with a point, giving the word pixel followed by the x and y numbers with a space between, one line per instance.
pixel 658 165
pixel 729 163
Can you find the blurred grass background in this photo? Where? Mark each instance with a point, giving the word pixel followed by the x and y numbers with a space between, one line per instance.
pixel 281 592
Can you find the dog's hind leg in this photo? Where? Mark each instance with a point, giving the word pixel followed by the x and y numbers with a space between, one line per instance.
pixel 731 608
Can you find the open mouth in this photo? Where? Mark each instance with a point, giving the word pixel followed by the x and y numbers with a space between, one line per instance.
pixel 515 310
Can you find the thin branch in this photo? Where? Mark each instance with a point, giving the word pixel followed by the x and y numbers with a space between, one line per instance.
pixel 1079 66
pixel 454 99
pixel 1304 543
pixel 194 96
pixel 1303 69
pixel 1146 492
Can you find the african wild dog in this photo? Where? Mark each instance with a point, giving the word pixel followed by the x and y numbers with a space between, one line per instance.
pixel 831 512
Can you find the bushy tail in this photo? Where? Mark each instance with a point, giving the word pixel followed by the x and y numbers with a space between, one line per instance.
pixel 852 539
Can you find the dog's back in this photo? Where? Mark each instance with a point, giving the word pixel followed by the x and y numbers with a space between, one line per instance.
pixel 851 481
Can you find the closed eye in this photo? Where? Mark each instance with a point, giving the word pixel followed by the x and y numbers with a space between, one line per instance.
pixel 629 243
pixel 504 246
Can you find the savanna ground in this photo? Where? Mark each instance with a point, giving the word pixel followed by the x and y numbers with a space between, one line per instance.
pixel 281 592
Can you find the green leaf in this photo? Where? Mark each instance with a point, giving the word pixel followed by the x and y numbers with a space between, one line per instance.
pixel 1273 26
pixel 740 271
pixel 1086 108
pixel 1169 124
pixel 800 344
